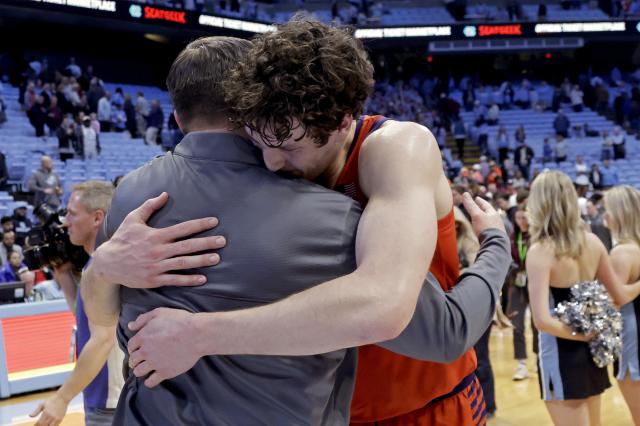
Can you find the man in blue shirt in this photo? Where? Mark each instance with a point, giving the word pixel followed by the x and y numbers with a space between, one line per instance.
pixel 609 175
pixel 98 370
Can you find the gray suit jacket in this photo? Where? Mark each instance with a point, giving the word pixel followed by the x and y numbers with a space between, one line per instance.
pixel 284 236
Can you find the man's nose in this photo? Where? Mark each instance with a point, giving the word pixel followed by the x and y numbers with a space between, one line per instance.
pixel 273 159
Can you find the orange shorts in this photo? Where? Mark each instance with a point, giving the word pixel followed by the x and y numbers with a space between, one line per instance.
pixel 465 407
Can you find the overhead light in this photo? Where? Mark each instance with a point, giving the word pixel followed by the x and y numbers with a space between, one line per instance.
pixel 157 38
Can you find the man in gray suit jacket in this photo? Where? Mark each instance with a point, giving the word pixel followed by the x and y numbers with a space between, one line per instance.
pixel 284 236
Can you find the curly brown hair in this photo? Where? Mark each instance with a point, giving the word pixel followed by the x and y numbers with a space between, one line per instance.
pixel 305 74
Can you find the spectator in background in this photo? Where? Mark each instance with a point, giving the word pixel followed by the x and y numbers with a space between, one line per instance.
pixel 13 268
pixel 46 94
pixel 21 223
pixel 455 166
pixel 459 131
pixel 142 111
pixel 88 140
pixel 493 115
pixel 523 158
pixel 8 245
pixel 607 146
pixel 519 181
pixel 73 69
pixel 547 151
pixel 595 177
pixel 595 219
pixel 456 192
pixel 495 173
pixel 38 116
pixel 95 93
pixel 576 95
pixel 95 124
pixel 118 118
pixel 619 105
pixel 561 125
pixel 7 224
pixel 518 293
pixel 45 184
pixel 118 97
pixel 155 121
pixel 602 98
pixel 176 133
pixel 561 149
pixel 520 135
pixel 54 117
pixel 581 166
pixel 104 112
pixel 618 140
pixel 66 139
pixel 130 112
pixel 609 175
pixel 29 97
pixel 502 140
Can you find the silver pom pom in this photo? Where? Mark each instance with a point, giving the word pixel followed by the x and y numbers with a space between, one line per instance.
pixel 589 311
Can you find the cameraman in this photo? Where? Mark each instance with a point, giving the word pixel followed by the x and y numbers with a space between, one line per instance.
pixel 99 361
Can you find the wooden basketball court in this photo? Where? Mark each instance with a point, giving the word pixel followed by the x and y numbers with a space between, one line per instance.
pixel 519 403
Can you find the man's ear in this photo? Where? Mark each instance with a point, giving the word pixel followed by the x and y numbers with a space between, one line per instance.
pixel 179 121
pixel 345 125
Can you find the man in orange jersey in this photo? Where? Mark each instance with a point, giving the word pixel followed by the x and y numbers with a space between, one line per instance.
pixel 300 94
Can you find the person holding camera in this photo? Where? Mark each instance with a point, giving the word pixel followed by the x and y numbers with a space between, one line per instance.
pixel 99 361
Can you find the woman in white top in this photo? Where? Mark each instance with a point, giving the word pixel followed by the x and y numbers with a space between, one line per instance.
pixel 622 205
pixel 563 254
pixel 576 96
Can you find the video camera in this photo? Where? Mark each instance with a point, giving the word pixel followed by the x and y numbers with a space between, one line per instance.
pixel 49 245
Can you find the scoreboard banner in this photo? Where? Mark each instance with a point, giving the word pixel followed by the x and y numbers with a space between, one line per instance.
pixel 149 14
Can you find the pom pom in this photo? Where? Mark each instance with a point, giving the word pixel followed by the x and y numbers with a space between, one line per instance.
pixel 589 311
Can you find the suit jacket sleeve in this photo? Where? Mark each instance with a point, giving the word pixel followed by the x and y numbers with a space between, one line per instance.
pixel 446 324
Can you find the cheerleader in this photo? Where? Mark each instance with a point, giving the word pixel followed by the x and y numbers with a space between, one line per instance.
pixel 622 205
pixel 561 255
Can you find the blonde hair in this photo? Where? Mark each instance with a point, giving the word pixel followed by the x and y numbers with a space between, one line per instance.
pixel 95 194
pixel 554 214
pixel 623 205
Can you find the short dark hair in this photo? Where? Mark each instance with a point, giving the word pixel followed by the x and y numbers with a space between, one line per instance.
pixel 522 195
pixel 196 76
pixel 305 71
pixel 502 196
pixel 5 219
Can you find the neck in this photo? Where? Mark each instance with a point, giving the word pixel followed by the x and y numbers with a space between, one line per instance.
pixel 331 175
pixel 90 247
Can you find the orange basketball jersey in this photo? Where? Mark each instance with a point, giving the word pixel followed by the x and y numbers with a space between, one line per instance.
pixel 387 384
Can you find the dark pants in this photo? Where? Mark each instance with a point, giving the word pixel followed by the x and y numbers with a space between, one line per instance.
pixel 39 129
pixel 460 143
pixel 618 151
pixel 105 126
pixel 485 372
pixel 524 169
pixel 518 302
pixel 503 154
pixel 483 142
